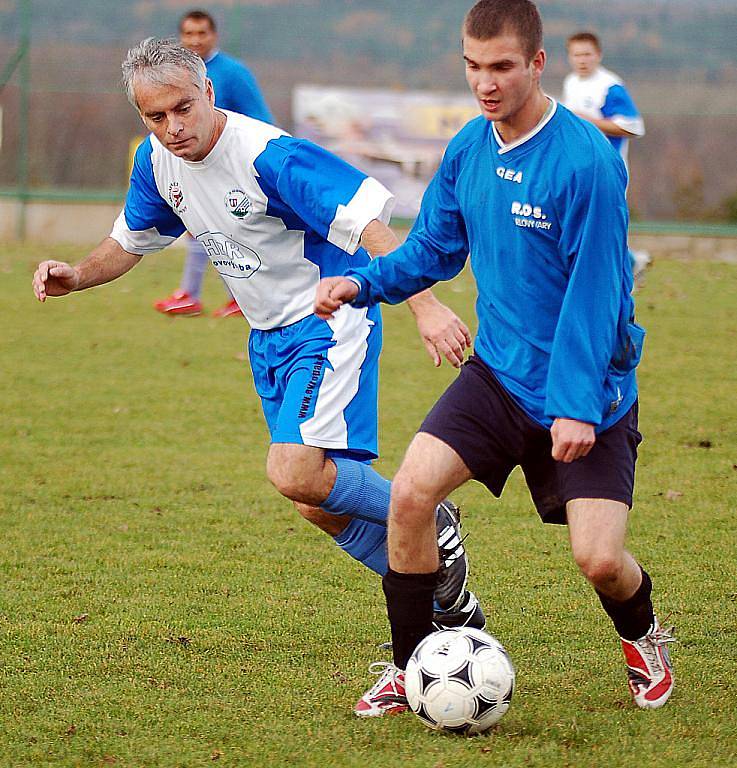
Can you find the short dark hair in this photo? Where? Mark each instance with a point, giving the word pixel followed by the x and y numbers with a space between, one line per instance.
pixel 491 18
pixel 585 37
pixel 198 15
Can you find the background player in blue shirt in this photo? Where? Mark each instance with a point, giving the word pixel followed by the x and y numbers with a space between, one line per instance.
pixel 274 214
pixel 537 197
pixel 236 89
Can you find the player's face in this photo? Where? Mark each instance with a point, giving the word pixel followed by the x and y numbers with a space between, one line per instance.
pixel 584 57
pixel 180 115
pixel 198 36
pixel 499 75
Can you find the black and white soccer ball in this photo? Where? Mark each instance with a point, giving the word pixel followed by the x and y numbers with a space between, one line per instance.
pixel 459 680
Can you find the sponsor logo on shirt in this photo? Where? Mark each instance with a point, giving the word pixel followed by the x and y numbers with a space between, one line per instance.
pixel 176 197
pixel 238 204
pixel 529 216
pixel 230 258
pixel 509 174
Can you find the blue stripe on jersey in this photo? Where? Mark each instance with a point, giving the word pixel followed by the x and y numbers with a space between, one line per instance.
pixel 304 185
pixel 144 206
pixel 619 102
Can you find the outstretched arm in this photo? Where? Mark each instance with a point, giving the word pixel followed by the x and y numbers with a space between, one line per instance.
pixel 443 333
pixel 105 263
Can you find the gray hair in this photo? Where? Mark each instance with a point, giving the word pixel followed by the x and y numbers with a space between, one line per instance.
pixel 159 61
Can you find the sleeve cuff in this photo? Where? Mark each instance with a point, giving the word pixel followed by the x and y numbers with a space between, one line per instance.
pixel 371 201
pixel 362 297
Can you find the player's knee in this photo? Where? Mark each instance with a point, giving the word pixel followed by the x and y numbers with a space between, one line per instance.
pixel 602 569
pixel 291 482
pixel 410 503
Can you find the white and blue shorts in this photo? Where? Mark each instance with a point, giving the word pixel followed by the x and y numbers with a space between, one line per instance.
pixel 318 380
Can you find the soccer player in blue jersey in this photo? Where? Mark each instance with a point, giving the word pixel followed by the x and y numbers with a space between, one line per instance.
pixel 236 89
pixel 536 196
pixel 275 214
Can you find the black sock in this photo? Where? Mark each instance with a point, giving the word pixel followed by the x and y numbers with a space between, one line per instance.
pixel 633 617
pixel 409 605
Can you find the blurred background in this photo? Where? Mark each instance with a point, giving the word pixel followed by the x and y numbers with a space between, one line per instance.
pixel 67 128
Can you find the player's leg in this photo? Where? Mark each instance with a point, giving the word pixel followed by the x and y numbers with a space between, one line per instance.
pixel 362 540
pixel 318 382
pixel 195 265
pixel 597 491
pixel 328 490
pixel 470 432
pixel 597 530
pixel 429 472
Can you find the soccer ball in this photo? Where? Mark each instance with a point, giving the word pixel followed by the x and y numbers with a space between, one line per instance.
pixel 459 680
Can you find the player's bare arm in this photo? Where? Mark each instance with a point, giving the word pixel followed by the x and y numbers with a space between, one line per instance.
pixel 443 333
pixel 105 263
pixel 571 439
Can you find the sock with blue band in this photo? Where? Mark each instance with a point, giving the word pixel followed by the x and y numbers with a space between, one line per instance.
pixel 359 491
pixel 365 542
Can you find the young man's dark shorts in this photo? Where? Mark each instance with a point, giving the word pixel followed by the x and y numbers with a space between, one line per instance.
pixel 481 422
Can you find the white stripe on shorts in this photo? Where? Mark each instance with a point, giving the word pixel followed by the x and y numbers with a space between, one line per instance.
pixel 327 427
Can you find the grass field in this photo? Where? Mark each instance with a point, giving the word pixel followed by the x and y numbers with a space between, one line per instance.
pixel 161 605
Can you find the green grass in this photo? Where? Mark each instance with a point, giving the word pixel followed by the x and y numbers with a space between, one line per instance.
pixel 161 605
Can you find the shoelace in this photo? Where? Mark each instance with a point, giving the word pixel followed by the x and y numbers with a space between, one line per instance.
pixel 387 672
pixel 652 641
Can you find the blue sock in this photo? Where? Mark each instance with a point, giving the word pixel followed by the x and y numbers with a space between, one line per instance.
pixel 359 491
pixel 365 542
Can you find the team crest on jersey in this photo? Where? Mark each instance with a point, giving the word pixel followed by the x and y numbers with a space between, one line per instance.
pixel 238 204
pixel 176 197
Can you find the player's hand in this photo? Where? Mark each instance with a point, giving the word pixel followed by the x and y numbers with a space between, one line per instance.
pixel 54 278
pixel 332 293
pixel 571 439
pixel 443 333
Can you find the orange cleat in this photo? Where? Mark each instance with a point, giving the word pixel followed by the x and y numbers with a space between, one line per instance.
pixel 228 310
pixel 179 303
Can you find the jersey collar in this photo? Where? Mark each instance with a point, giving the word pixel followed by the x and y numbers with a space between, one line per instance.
pixel 546 118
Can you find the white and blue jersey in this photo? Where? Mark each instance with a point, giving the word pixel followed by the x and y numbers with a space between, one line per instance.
pixel 275 214
pixel 545 222
pixel 603 95
pixel 235 87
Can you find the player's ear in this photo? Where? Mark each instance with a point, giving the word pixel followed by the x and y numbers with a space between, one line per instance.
pixel 210 91
pixel 538 62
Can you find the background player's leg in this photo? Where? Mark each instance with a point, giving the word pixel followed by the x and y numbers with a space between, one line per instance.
pixel 195 265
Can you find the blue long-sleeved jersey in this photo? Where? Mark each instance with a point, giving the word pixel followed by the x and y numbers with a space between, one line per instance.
pixel 236 88
pixel 545 222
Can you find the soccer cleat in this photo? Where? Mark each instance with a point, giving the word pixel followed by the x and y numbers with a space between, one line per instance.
pixel 469 614
pixel 649 668
pixel 179 303
pixel 386 696
pixel 453 573
pixel 228 310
